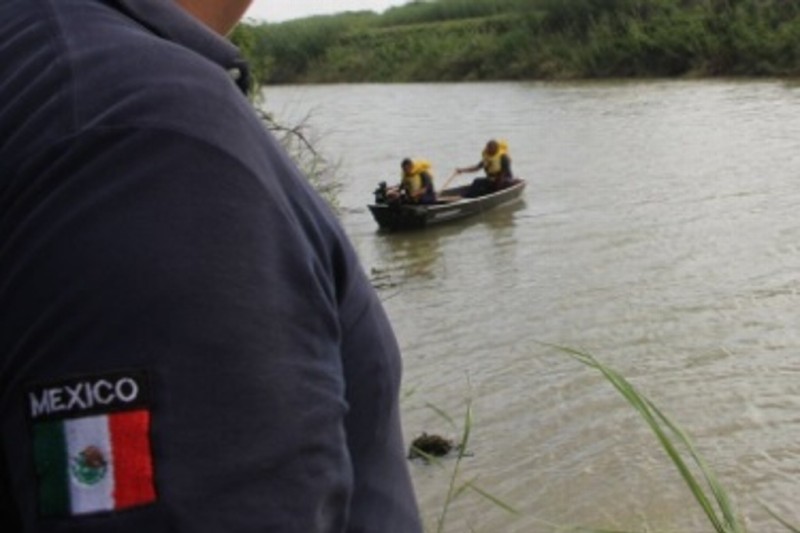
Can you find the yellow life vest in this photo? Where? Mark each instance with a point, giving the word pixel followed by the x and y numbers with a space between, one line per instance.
pixel 412 182
pixel 493 164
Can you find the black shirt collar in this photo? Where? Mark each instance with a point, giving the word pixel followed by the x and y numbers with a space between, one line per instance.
pixel 168 20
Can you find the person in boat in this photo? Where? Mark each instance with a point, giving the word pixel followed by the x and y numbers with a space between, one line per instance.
pixel 416 184
pixel 496 163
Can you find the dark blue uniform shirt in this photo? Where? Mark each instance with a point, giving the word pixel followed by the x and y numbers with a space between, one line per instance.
pixel 187 340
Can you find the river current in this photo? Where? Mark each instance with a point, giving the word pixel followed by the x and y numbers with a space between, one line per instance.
pixel 659 232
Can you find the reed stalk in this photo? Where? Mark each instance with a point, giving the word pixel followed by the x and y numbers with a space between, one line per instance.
pixel 456 487
pixel 706 489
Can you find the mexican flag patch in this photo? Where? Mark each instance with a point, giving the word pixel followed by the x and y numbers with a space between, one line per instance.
pixel 91 439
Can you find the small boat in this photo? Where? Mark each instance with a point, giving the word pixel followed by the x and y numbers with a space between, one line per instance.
pixel 452 204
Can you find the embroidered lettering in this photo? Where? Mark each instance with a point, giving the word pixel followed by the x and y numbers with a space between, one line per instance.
pixel 83 396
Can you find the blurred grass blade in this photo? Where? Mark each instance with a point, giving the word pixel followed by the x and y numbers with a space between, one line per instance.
pixel 721 496
pixel 789 527
pixel 593 530
pixel 495 500
pixel 442 414
pixel 452 492
pixel 460 490
pixel 462 448
pixel 427 457
pixel 660 424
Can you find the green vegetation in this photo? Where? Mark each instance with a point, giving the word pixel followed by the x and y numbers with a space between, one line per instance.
pixel 710 495
pixel 321 172
pixel 456 487
pixel 700 479
pixel 454 40
pixel 704 486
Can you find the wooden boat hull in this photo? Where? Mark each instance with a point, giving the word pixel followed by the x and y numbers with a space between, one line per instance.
pixel 410 217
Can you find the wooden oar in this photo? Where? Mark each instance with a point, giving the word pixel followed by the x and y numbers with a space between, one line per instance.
pixel 446 183
pixel 447 199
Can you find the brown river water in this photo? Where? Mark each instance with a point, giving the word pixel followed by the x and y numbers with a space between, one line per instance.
pixel 660 232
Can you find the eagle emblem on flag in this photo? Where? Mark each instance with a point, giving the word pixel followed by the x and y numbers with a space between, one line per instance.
pixel 89 467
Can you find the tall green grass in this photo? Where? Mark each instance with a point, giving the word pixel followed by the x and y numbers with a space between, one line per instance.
pixel 424 12
pixel 456 486
pixel 706 489
pixel 700 479
pixel 708 492
pixel 533 39
pixel 789 527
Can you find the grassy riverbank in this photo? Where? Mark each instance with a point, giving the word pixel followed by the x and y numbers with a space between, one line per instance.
pixel 454 40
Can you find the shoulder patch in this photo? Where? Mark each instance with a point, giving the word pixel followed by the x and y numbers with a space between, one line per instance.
pixel 91 438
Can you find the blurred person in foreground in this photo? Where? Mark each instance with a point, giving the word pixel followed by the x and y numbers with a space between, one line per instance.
pixel 187 340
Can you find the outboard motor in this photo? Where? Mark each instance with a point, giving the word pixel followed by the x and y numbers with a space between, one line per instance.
pixel 380 193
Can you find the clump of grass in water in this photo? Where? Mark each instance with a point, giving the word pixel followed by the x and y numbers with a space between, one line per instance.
pixel 456 487
pixel 707 491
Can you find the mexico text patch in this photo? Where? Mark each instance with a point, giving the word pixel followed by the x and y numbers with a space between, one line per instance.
pixel 91 438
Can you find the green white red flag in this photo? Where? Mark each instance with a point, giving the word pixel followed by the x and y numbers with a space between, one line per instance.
pixel 94 463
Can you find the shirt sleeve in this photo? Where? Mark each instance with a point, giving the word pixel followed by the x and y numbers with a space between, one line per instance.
pixel 8 511
pixel 151 250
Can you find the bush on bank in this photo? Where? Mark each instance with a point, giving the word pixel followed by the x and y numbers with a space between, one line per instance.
pixel 455 40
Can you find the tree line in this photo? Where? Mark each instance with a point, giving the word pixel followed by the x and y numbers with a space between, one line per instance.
pixel 456 40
